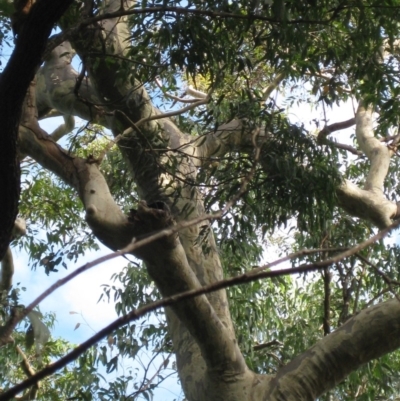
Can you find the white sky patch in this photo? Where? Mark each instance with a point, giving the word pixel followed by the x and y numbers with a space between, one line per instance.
pixel 80 295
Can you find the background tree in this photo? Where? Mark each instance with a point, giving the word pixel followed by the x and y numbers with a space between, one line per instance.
pixel 182 120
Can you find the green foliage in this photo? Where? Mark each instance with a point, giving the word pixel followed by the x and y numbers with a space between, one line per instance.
pixel 16 357
pixel 55 222
pixel 6 10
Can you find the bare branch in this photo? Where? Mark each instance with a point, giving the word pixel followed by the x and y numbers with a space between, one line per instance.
pixel 361 339
pixel 346 147
pixel 176 98
pixel 327 277
pixel 26 366
pixel 369 203
pixel 273 85
pixel 329 129
pixel 103 215
pixel 269 344
pixel 195 93
pixel 7 263
pixel 29 371
pixel 377 153
pixel 63 129
pixel 366 204
pixel 171 113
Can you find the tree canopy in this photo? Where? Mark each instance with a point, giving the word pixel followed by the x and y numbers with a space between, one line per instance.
pixel 262 261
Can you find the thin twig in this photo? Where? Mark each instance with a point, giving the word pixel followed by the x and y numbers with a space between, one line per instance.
pixel 349 148
pixel 386 279
pixel 377 296
pixel 173 97
pixel 29 371
pixel 173 113
pixel 272 343
pixel 272 86
pixel 144 386
pixel 327 277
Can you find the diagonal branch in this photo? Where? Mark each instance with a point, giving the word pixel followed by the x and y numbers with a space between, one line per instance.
pixel 329 129
pixel 103 215
pixel 361 339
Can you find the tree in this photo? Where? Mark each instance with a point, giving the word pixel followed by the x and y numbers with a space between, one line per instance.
pixel 196 192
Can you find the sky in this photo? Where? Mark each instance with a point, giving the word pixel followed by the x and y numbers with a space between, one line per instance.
pixel 80 296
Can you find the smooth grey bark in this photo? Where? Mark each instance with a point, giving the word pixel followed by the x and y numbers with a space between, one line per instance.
pixel 368 335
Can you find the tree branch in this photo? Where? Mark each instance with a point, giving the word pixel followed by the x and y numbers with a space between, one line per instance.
pixel 103 215
pixel 273 85
pixel 63 129
pixel 55 89
pixel 361 339
pixel 205 13
pixel 377 153
pixel 29 371
pixel 329 129
pixel 7 263
pixel 366 205
pixel 171 113
pixel 369 203
pixel 327 276
pixel 6 273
